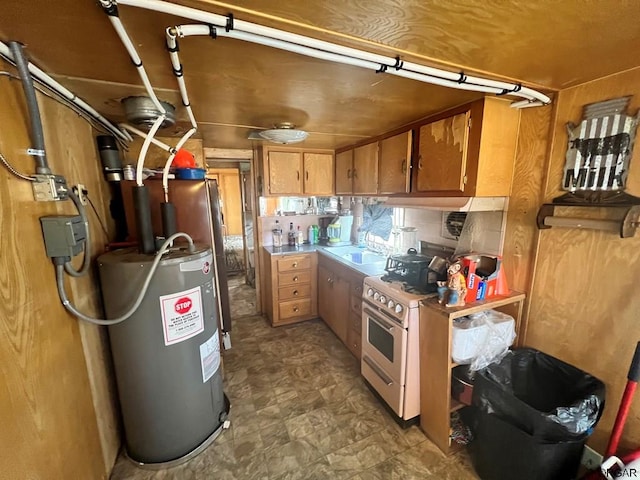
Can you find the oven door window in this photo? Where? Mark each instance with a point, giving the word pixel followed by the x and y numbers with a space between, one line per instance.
pixel 381 339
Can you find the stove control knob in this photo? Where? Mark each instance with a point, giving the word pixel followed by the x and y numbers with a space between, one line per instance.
pixel 399 308
pixel 390 304
pixel 383 299
pixel 376 295
pixel 370 292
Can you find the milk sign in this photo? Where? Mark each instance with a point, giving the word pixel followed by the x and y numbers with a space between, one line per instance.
pixel 600 148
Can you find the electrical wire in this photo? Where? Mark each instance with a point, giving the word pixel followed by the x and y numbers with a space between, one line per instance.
pixel 45 90
pixel 21 176
pixel 86 260
pixel 145 286
pixel 104 228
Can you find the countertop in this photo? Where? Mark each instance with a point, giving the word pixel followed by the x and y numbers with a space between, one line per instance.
pixel 334 253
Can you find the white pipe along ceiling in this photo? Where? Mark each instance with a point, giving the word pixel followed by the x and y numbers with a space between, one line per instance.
pixel 338 53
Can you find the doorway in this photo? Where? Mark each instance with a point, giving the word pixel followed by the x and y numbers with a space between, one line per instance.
pixel 235 180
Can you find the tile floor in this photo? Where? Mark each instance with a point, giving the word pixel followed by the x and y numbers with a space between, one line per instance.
pixel 300 410
pixel 242 297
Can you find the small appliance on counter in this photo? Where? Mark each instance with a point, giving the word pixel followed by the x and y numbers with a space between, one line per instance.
pixel 339 230
pixel 419 272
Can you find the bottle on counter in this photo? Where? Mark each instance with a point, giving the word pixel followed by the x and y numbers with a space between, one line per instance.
pixel 277 235
pixel 316 234
pixel 311 235
pixel 299 237
pixel 291 236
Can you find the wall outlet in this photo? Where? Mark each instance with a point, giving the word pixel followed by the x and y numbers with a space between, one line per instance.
pixel 591 459
pixel 81 191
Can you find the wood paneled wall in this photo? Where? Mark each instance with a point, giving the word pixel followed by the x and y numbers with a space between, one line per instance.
pixel 584 301
pixel 49 424
pixel 229 188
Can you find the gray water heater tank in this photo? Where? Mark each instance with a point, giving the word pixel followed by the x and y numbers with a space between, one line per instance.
pixel 167 354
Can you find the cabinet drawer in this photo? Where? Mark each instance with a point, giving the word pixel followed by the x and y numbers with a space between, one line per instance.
pixel 294 263
pixel 294 278
pixel 356 305
pixel 355 322
pixel 293 292
pixel 295 308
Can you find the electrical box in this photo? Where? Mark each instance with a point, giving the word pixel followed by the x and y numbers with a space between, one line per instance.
pixel 47 188
pixel 64 235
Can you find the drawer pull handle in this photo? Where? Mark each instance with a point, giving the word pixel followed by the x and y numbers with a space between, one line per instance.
pixel 295 309
pixel 295 264
pixel 404 166
pixel 295 279
pixel 295 292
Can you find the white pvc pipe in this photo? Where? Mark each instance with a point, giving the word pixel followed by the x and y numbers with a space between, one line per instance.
pixel 186 30
pixel 441 76
pixel 145 147
pixel 144 135
pixel 131 49
pixel 175 63
pixel 50 83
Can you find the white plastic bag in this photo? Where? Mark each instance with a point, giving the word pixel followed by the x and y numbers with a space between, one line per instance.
pixel 482 338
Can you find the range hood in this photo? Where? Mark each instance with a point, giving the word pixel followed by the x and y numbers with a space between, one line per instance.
pixel 450 204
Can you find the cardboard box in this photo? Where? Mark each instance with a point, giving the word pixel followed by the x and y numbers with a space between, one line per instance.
pixel 485 277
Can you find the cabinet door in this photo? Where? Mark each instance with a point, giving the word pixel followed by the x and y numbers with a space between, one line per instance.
pixel 442 158
pixel 318 173
pixel 325 293
pixel 284 171
pixel 344 170
pixel 365 169
pixel 341 299
pixel 395 158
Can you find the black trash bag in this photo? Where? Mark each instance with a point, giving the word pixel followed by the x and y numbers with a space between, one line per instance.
pixel 530 417
pixel 542 396
pixel 501 451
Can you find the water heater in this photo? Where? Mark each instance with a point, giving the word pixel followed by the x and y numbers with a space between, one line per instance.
pixel 167 354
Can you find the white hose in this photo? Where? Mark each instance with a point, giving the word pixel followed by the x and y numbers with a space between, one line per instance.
pixel 141 134
pixel 346 54
pixel 137 61
pixel 177 67
pixel 50 83
pixel 145 286
pixel 167 165
pixel 145 147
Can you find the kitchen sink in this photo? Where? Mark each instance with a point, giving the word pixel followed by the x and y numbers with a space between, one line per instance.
pixel 364 257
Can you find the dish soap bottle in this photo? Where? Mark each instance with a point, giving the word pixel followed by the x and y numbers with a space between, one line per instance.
pixel 311 235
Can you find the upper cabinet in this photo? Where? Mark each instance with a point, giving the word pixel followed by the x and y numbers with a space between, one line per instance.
pixel 318 173
pixel 468 151
pixel 357 171
pixel 297 171
pixel 395 164
pixel 365 169
pixel 344 168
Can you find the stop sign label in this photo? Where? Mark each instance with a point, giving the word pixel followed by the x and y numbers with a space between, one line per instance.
pixel 183 305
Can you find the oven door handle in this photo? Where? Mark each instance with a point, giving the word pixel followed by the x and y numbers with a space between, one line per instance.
pixel 380 323
pixel 377 370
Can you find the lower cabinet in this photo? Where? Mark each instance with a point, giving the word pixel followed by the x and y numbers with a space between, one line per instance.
pixel 340 301
pixel 291 288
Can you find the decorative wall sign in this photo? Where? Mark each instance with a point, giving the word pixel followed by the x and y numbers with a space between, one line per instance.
pixel 599 150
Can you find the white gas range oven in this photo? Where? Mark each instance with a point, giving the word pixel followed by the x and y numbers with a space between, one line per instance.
pixel 390 346
pixel 391 327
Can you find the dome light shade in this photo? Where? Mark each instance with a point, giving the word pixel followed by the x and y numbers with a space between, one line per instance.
pixel 284 133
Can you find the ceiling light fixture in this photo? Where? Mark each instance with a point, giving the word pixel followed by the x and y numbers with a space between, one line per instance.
pixel 284 133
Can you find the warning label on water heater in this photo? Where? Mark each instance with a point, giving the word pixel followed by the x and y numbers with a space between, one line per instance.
pixel 210 357
pixel 181 315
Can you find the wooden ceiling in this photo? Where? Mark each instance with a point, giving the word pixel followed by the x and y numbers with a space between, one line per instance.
pixel 234 85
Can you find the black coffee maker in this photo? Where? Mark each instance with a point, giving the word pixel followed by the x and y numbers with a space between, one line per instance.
pixel 323 223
